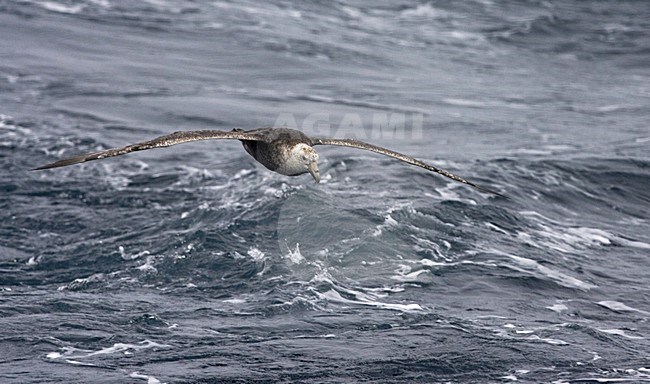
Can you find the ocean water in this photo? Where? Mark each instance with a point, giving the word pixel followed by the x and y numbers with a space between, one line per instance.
pixel 194 264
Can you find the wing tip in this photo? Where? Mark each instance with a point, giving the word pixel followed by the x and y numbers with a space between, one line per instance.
pixel 62 163
pixel 491 191
pixel 46 166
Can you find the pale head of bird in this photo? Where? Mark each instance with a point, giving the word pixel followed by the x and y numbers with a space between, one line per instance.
pixel 303 159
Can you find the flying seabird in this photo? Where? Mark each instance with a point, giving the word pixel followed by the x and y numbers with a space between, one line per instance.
pixel 282 150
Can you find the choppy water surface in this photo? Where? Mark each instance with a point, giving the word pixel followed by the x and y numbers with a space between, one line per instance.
pixel 194 264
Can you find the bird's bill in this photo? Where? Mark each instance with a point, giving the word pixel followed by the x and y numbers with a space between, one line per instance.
pixel 313 170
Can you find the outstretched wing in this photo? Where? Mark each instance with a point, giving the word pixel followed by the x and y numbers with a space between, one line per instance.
pixel 399 156
pixel 159 142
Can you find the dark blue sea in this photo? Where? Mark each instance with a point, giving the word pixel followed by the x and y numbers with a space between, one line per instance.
pixel 195 264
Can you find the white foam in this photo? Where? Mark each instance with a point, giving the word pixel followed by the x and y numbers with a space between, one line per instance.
pixel 369 298
pixel 465 36
pixel 334 296
pixel 432 248
pixel 482 104
pixel 567 240
pixel 447 193
pixel 126 256
pixel 632 243
pixel 547 340
pixel 242 173
pixel 148 265
pixel 234 301
pixel 618 306
pixel 405 273
pixel 150 379
pixel 591 235
pixel 389 221
pixel 102 3
pixel 295 256
pixel 608 380
pixel 496 228
pixel 32 260
pixel 81 282
pixel 117 182
pixel 531 266
pixel 558 308
pixel 620 332
pixel 61 8
pixel 126 348
pixel 424 10
pixel 255 254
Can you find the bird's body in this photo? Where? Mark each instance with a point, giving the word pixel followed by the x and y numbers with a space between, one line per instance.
pixel 282 150
pixel 276 153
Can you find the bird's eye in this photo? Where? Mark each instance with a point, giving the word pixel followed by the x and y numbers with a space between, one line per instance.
pixel 304 157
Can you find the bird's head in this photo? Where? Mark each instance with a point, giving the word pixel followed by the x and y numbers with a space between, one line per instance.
pixel 306 159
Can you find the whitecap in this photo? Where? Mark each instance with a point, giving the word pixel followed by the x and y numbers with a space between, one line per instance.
pixel 547 340
pixel 405 274
pixel 447 193
pixel 424 10
pixel 596 356
pixel 640 140
pixel 591 235
pixel 33 260
pixel 620 332
pixel 53 355
pixel 255 254
pixel 389 221
pixel 465 36
pixel 611 108
pixel 568 240
pixel 125 348
pixel 620 307
pixel 334 296
pixel 558 308
pixel 531 266
pixel 606 380
pixel 148 265
pixel 61 8
pixel 234 301
pixel 369 298
pixel 496 228
pixel 83 282
pixel 150 379
pixel 294 255
pixel 483 104
pixel 126 256
pixel 631 243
